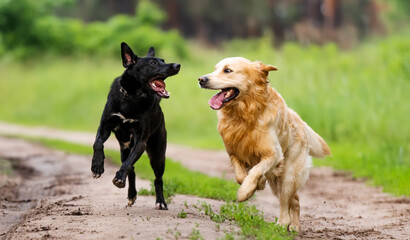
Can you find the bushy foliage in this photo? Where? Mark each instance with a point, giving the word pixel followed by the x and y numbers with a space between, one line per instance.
pixel 27 28
pixel 17 24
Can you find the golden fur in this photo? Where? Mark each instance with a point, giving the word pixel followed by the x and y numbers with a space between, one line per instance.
pixel 266 140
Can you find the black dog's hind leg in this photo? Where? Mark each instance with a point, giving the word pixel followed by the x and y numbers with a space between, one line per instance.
pixel 156 147
pixel 97 164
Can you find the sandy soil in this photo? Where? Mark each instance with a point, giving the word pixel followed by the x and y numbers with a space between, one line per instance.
pixel 54 196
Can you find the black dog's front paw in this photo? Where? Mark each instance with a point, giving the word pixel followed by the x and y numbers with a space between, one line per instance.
pixel 118 180
pixel 97 172
pixel 161 206
pixel 97 167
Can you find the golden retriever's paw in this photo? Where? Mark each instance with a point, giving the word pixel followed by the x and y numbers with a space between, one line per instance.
pixel 294 227
pixel 284 221
pixel 246 191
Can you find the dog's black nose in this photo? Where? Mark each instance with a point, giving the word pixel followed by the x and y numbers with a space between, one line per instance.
pixel 203 80
pixel 176 66
pixel 173 68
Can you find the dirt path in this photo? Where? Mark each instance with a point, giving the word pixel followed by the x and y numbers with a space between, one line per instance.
pixel 333 205
pixel 54 197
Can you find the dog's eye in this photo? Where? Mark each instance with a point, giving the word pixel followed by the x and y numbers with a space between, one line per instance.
pixel 154 63
pixel 227 70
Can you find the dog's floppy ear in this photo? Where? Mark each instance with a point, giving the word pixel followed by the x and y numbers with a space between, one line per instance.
pixel 151 52
pixel 127 55
pixel 267 68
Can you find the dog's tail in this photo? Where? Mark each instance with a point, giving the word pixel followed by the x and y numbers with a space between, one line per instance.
pixel 317 146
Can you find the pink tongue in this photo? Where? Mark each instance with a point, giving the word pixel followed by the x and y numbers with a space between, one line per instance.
pixel 159 84
pixel 216 101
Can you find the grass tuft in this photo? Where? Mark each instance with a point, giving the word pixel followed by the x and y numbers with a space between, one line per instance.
pixel 248 218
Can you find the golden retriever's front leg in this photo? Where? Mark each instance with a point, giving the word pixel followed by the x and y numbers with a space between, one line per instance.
pixel 256 177
pixel 239 170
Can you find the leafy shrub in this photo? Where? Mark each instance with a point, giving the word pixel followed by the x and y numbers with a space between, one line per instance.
pixel 27 28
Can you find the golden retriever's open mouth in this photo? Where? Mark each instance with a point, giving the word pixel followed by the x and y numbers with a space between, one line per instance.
pixel 224 96
pixel 158 85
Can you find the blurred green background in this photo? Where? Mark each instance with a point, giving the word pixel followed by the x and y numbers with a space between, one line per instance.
pixel 344 66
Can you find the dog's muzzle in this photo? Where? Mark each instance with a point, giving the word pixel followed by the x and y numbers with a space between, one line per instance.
pixel 203 81
pixel 173 68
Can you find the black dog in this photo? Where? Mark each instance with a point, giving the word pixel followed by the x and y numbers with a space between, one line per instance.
pixel 133 113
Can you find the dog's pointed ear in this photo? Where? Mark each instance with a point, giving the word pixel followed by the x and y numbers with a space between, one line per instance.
pixel 127 55
pixel 151 52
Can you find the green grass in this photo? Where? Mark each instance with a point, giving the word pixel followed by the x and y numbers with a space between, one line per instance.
pixel 248 218
pixel 357 100
pixel 388 170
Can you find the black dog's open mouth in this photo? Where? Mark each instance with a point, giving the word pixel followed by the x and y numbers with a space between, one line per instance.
pixel 224 96
pixel 158 85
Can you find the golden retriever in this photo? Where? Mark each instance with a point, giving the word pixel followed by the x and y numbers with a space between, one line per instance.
pixel 265 140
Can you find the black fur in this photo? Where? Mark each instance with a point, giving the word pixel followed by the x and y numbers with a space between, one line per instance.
pixel 133 113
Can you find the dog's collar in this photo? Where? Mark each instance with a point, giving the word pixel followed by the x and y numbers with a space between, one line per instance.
pixel 127 96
